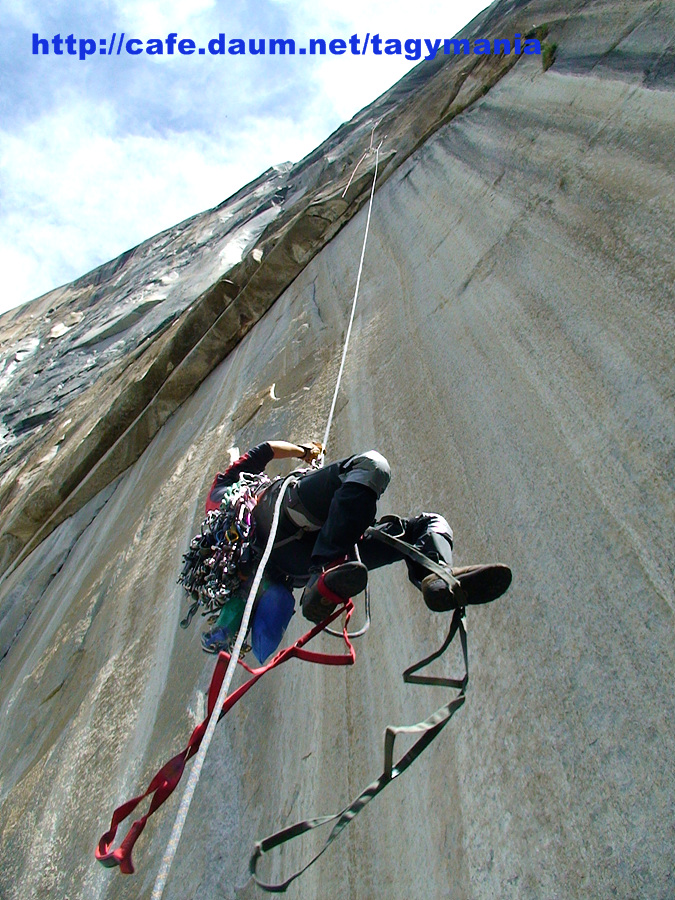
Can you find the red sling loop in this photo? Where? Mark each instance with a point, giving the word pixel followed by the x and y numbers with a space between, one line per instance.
pixel 166 780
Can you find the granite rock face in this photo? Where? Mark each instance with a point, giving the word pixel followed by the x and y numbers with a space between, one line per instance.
pixel 91 371
pixel 512 356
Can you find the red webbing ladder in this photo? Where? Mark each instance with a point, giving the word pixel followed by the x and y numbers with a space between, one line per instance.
pixel 165 781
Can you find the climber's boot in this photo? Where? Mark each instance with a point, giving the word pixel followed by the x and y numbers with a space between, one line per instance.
pixel 477 584
pixel 346 579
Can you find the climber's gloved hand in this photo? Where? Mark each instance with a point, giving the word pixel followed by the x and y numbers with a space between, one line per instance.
pixel 312 451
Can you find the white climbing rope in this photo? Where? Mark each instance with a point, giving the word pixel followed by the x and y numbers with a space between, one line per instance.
pixel 356 294
pixel 196 769
pixel 367 153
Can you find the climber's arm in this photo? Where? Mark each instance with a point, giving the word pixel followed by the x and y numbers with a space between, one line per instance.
pixel 255 460
pixel 284 450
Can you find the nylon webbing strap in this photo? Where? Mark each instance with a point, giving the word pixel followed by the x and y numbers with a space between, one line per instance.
pixel 413 553
pixel 458 624
pixel 166 780
pixel 428 730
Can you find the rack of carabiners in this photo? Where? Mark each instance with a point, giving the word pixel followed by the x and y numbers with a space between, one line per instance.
pixel 221 550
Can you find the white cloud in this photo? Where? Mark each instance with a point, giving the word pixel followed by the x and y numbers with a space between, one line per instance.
pixel 150 17
pixel 22 279
pixel 77 193
pixel 79 186
pixel 348 83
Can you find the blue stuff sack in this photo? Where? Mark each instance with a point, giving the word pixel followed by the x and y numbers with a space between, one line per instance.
pixel 273 613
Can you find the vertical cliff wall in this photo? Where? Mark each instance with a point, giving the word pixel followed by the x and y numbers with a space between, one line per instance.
pixel 512 357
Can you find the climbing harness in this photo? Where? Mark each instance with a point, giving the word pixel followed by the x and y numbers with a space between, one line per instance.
pixel 224 551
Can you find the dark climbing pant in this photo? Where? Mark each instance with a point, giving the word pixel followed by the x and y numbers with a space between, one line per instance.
pixel 343 498
pixel 428 532
pixel 335 505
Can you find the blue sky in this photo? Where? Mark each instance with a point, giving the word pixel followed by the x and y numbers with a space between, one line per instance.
pixel 98 155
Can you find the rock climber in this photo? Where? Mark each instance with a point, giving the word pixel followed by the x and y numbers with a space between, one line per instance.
pixel 324 515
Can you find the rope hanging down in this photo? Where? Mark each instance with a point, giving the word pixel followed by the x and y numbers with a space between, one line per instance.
pixel 356 294
pixel 196 770
pixel 366 625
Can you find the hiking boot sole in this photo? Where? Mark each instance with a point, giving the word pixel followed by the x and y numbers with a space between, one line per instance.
pixel 346 580
pixel 483 584
pixel 477 585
